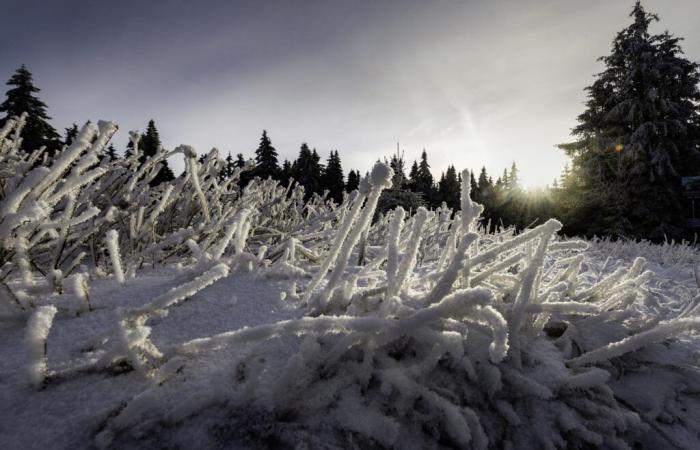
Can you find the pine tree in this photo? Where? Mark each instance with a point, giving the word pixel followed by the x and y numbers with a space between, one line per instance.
pixel 474 188
pixel 286 173
pixel 246 176
pixel 307 171
pixel 266 159
pixel 353 181
pixel 639 134
pixel 149 145
pixel 333 179
pixel 398 165
pixel 71 134
pixel 484 185
pixel 513 178
pixel 424 181
pixel 111 152
pixel 449 188
pixel 228 167
pixel 413 176
pixel 22 98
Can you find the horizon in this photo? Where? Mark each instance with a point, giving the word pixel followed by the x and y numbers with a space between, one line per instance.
pixel 474 84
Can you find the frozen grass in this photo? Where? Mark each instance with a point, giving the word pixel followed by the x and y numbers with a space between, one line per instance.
pixel 253 319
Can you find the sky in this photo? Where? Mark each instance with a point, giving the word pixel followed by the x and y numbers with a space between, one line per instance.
pixel 474 83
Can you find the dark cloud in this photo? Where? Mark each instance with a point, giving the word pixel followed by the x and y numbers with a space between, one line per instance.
pixel 476 83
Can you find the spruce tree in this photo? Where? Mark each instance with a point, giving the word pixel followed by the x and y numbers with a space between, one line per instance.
pixel 228 167
pixel 111 152
pixel 71 134
pixel 266 159
pixel 413 176
pixel 474 188
pixel 246 176
pixel 286 173
pixel 398 165
pixel 449 188
pixel 353 181
pixel 639 134
pixel 22 98
pixel 307 171
pixel 333 179
pixel 513 178
pixel 240 160
pixel 149 145
pixel 424 180
pixel 484 185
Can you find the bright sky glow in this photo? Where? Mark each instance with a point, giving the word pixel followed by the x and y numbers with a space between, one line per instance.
pixel 474 83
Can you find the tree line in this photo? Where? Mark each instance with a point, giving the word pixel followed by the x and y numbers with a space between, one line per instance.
pixel 637 147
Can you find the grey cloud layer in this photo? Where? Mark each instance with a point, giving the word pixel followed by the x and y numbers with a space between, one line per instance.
pixel 475 83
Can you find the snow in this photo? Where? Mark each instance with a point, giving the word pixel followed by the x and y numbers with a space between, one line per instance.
pixel 70 410
pixel 38 328
pixel 252 319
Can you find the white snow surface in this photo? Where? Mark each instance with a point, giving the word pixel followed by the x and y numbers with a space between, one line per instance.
pixel 195 314
pixel 68 413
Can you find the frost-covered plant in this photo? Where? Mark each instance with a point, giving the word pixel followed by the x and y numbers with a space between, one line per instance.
pixel 494 341
pixel 420 329
pixel 80 208
pixel 37 332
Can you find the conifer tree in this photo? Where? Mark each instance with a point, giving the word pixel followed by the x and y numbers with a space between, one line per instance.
pixel 333 179
pixel 246 176
pixel 149 145
pixel 424 180
pixel 449 188
pixel 286 173
pixel 413 176
pixel 227 170
pixel 484 185
pixel 71 134
pixel 111 152
pixel 513 178
pixel 266 159
pixel 398 165
pixel 639 134
pixel 307 171
pixel 353 181
pixel 22 98
pixel 474 188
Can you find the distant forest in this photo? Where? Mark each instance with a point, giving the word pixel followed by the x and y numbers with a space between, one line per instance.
pixel 636 140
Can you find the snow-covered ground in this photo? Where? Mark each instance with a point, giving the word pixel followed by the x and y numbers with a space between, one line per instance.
pixel 194 315
pixel 71 411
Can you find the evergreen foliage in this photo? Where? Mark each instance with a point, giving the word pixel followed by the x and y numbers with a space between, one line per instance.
pixel 333 179
pixel 639 134
pixel 266 159
pixel 149 146
pixel 111 152
pixel 21 98
pixel 307 171
pixel 286 173
pixel 71 134
pixel 423 181
pixel 353 181
pixel 449 188
pixel 397 164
